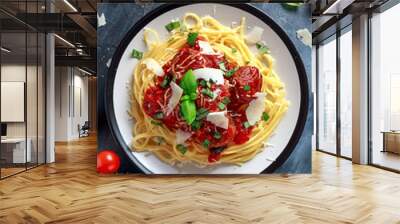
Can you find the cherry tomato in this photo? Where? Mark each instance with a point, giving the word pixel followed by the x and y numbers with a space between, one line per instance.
pixel 108 162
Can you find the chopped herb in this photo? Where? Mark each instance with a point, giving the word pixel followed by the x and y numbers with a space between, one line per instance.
pixel 136 54
pixel 183 149
pixel 291 6
pixel 246 87
pixel 159 115
pixel 172 25
pixel 207 92
pixel 246 124
pixel 165 83
pixel 226 100
pixel 156 122
pixel 206 143
pixel 230 72
pixel 209 83
pixel 191 39
pixel 234 50
pixel 217 135
pixel 203 83
pixel 196 125
pixel 265 116
pixel 247 62
pixel 222 66
pixel 201 113
pixel 262 48
pixel 221 106
pixel 202 110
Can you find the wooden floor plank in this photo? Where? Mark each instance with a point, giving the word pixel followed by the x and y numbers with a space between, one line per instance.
pixel 70 191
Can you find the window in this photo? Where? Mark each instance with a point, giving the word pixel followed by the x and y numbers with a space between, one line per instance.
pixel 327 97
pixel 385 89
pixel 22 101
pixel 346 94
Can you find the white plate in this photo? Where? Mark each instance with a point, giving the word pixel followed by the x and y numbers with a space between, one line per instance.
pixel 285 136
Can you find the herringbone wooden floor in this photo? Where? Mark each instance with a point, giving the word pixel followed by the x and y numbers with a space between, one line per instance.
pixel 70 191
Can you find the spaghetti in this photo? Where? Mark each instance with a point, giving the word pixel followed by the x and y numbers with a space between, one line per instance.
pixel 203 96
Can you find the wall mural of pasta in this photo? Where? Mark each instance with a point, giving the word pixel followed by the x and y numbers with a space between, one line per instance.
pixel 204 88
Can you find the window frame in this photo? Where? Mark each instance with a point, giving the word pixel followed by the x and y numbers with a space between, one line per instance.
pixel 335 36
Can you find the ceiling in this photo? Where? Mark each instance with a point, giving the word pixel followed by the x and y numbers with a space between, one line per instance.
pixel 74 22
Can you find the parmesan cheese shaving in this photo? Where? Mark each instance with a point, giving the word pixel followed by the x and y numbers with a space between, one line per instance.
pixel 256 108
pixel 153 66
pixel 175 97
pixel 254 35
pixel 216 75
pixel 182 136
pixel 219 119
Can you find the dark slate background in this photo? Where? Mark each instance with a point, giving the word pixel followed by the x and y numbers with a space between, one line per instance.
pixel 121 17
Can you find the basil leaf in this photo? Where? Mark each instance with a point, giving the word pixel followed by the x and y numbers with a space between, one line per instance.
pixel 191 39
pixel 136 54
pixel 246 87
pixel 188 109
pixel 185 97
pixel 189 83
pixel 193 96
pixel 234 50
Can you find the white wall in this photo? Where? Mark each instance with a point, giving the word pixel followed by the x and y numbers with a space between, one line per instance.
pixel 71 87
pixel 33 126
pixel 16 73
pixel 61 103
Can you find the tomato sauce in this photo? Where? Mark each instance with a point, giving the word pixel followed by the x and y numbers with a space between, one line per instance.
pixel 234 96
